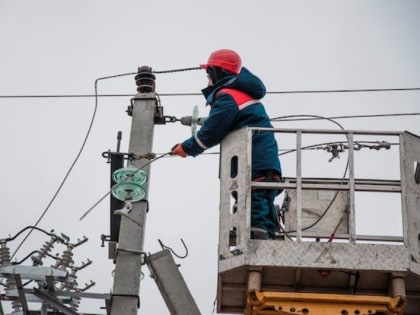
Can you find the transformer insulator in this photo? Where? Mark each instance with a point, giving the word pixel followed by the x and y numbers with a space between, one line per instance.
pixel 74 303
pixel 5 261
pixel 16 306
pixel 46 248
pixel 145 80
pixel 71 283
pixel 66 259
pixel 4 255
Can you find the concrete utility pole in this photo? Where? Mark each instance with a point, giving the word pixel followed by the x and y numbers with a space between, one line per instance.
pixel 130 255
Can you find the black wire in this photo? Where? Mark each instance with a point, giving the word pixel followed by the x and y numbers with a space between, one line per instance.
pixel 315 117
pixel 30 254
pixel 133 73
pixel 177 70
pixel 195 93
pixel 344 175
pixel 318 146
pixel 81 149
pixel 292 117
pixel 73 163
pixel 26 228
pixel 347 91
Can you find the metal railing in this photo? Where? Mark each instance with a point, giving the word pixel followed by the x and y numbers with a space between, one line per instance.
pixel 406 151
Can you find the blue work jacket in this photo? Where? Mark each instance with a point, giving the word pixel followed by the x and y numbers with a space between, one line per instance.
pixel 226 115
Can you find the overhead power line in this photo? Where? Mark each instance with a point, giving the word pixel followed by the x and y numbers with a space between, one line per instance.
pixel 96 96
pixel 346 91
pixel 302 117
pixel 199 94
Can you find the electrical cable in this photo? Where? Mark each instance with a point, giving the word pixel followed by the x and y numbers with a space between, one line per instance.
pixel 318 146
pixel 344 175
pixel 157 72
pixel 30 254
pixel 34 227
pixel 199 94
pixel 176 70
pixel 292 118
pixel 73 163
pixel 347 91
pixel 26 228
pixel 83 146
pixel 312 117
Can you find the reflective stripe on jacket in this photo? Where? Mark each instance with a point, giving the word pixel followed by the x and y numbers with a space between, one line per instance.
pixel 242 99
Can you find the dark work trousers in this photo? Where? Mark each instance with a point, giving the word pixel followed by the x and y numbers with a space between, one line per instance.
pixel 263 211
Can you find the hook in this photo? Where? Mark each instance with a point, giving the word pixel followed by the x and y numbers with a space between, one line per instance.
pixel 172 251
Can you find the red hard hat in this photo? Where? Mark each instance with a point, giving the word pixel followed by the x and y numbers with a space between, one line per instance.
pixel 226 59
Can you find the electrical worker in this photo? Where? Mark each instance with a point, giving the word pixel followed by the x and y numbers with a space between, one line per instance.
pixel 234 95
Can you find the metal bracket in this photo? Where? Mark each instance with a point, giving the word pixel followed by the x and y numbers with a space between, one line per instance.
pixel 52 300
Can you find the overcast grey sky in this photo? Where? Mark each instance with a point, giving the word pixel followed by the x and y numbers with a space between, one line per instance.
pixel 62 47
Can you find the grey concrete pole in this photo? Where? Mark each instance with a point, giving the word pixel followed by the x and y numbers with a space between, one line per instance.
pixel 125 295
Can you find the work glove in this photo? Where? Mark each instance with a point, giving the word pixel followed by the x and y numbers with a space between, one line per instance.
pixel 178 150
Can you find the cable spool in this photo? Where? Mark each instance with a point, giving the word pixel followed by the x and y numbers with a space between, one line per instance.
pixel 129 184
